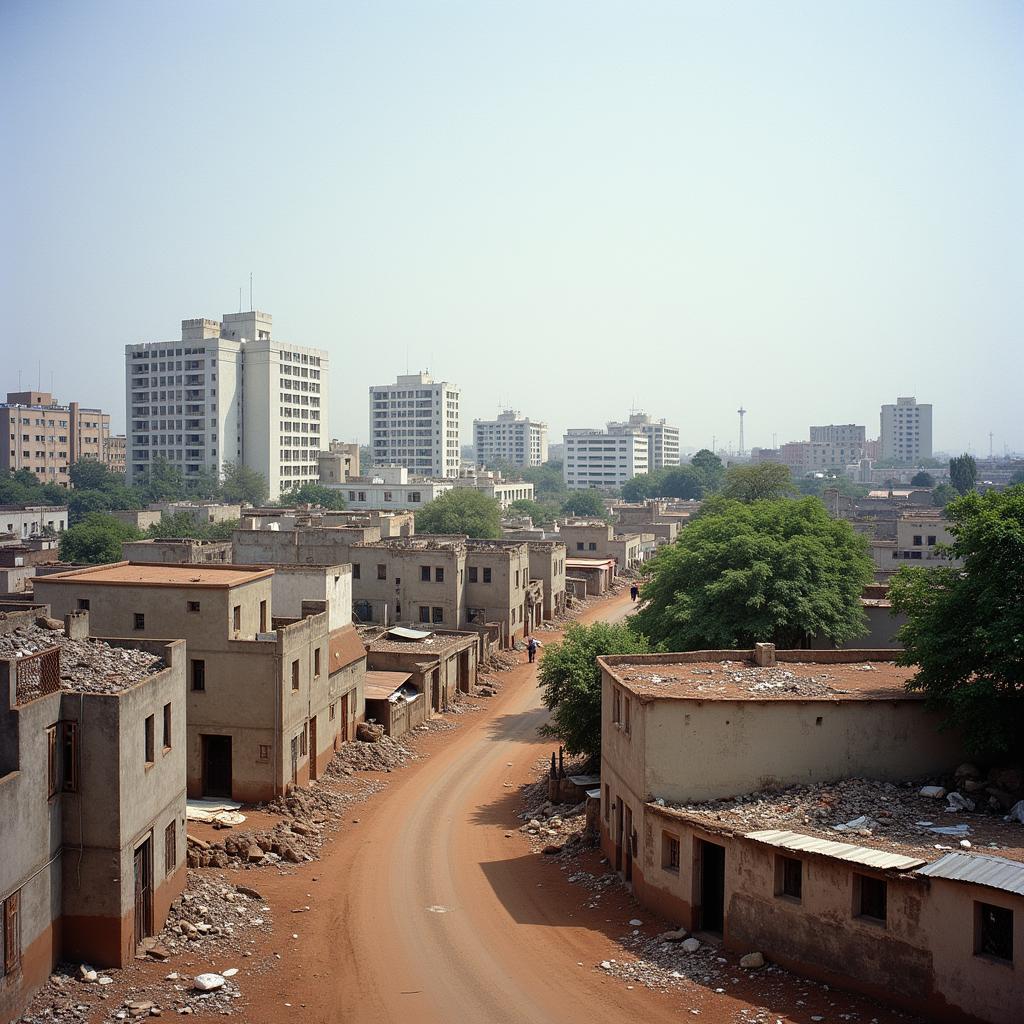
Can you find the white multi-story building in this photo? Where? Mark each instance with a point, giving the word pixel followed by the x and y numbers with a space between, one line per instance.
pixel 510 438
pixel 415 423
pixel 906 431
pixel 845 435
pixel 226 392
pixel 662 440
pixel 604 459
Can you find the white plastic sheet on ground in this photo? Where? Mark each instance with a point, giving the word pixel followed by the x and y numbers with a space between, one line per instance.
pixel 223 811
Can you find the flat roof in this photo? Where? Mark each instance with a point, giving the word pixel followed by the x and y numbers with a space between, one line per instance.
pixel 589 563
pixel 155 574
pixel 888 817
pixel 433 646
pixel 739 679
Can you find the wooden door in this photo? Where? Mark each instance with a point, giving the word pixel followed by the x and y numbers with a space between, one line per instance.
pixel 295 760
pixel 312 748
pixel 344 718
pixel 143 891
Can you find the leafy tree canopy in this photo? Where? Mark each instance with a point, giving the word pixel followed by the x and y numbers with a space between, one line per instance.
pixel 243 485
pixel 770 571
pixel 943 494
pixel 816 486
pixel 96 540
pixel 461 510
pixel 965 628
pixel 678 482
pixel 91 475
pixel 584 503
pixel 539 512
pixel 922 479
pixel 547 480
pixel 181 524
pixel 963 472
pixel 1017 477
pixel 571 682
pixel 765 482
pixel 314 494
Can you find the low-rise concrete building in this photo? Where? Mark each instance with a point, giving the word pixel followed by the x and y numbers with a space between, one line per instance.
pixel 180 551
pixel 764 848
pixel 140 519
pixel 201 513
pixel 26 521
pixel 440 664
pixel 262 711
pixel 92 797
pixel 596 574
pixel 547 564
pixel 598 539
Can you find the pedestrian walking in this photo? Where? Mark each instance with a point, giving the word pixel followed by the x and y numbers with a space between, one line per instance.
pixel 634 592
pixel 531 649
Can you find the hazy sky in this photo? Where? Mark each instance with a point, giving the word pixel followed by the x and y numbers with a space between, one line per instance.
pixel 575 207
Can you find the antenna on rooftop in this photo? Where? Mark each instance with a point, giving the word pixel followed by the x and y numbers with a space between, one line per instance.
pixel 239 298
pixel 742 412
pixel 251 306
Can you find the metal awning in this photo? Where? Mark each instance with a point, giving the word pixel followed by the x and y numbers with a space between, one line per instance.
pixel 403 633
pixel 980 869
pixel 882 860
pixel 380 685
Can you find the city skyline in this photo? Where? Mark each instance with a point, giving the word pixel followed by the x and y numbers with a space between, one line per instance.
pixel 673 218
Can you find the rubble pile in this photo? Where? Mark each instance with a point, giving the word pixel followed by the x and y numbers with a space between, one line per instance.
pixel 90 666
pixel 212 908
pixel 382 756
pixel 291 841
pixel 502 661
pixel 893 815
pixel 758 681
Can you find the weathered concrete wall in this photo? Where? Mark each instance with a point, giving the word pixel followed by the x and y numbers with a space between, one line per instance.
pixel 547 564
pixel 293 584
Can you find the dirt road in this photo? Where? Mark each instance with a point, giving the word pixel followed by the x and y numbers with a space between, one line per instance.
pixel 426 912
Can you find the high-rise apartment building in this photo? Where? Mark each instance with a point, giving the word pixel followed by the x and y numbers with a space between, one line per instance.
pixel 662 440
pixel 415 423
pixel 46 438
pixel 604 459
pixel 906 430
pixel 226 392
pixel 511 438
pixel 843 434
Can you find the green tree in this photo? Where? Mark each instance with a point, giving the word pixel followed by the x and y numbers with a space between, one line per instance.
pixel 943 494
pixel 204 485
pixel 584 503
pixel 92 475
pixel 767 482
pixel 778 571
pixel 243 485
pixel 96 540
pixel 922 479
pixel 571 682
pixel 965 627
pixel 963 471
pixel 310 493
pixel 163 482
pixel 547 480
pixel 538 512
pixel 643 486
pixel 81 503
pixel 21 487
pixel 462 510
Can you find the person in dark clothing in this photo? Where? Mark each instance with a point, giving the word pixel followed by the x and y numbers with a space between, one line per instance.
pixel 634 592
pixel 531 649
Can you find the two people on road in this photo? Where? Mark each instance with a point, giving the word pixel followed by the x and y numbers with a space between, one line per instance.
pixel 634 592
pixel 531 649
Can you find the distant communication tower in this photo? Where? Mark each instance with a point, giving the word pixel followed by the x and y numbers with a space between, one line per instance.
pixel 742 412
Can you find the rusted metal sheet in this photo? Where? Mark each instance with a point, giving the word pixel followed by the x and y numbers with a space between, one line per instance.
pixel 37 674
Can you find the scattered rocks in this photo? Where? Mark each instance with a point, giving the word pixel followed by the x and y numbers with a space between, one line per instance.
pixel 208 982
pixel 382 755
pixel 752 961
pixel 690 945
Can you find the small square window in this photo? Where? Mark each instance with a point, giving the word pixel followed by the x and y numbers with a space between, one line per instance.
pixel 789 877
pixel 264 751
pixel 83 604
pixel 425 573
pixel 993 932
pixel 870 897
pixel 139 620
pixel 437 615
pixel 670 852
pixel 192 606
pixel 382 572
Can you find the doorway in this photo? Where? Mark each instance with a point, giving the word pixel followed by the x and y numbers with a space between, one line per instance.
pixel 711 870
pixel 628 828
pixel 344 718
pixel 435 690
pixel 618 833
pixel 143 891
pixel 295 760
pixel 312 748
pixel 216 766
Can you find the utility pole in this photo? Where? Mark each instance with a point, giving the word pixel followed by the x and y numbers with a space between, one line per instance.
pixel 742 412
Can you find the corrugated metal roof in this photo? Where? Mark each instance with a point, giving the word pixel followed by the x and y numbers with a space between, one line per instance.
pixel 879 859
pixel 403 633
pixel 979 868
pixel 380 685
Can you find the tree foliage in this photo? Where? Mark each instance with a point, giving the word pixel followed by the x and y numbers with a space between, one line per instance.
pixel 943 494
pixel 243 485
pixel 181 524
pixel 768 481
pixel 461 510
pixel 963 472
pixel 709 465
pixel 96 540
pixel 584 503
pixel 922 479
pixel 965 628
pixel 571 682
pixel 771 571
pixel 539 512
pixel 678 482
pixel 310 493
